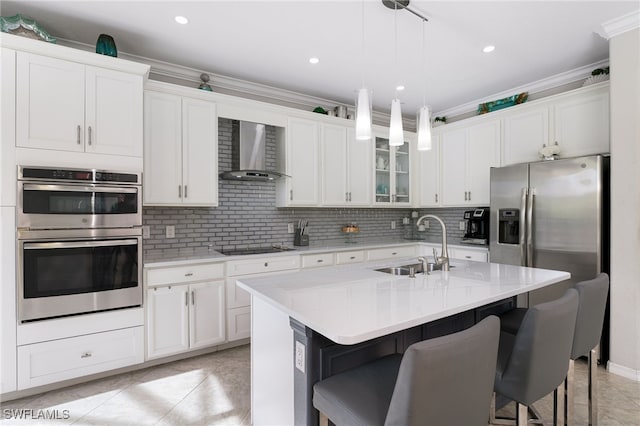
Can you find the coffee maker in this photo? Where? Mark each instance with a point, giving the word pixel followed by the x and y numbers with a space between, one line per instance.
pixel 477 229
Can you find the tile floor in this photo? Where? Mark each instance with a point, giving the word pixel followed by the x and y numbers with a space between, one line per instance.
pixel 214 389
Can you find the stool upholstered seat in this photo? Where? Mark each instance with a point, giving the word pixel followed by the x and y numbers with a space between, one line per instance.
pixel 443 381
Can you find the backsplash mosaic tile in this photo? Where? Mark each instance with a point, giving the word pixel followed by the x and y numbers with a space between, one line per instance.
pixel 247 214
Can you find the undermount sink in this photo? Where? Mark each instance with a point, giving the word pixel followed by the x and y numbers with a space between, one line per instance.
pixel 406 269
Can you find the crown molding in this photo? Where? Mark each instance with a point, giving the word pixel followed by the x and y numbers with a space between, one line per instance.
pixel 533 87
pixel 622 24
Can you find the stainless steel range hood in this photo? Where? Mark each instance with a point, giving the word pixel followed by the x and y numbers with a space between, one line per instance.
pixel 248 155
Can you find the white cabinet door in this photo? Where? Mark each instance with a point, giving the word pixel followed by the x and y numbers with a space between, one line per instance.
pixel 162 148
pixel 454 167
pixel 167 320
pixel 238 323
pixel 581 123
pixel 302 162
pixel 483 152
pixel 335 191
pixel 428 172
pixel 207 314
pixel 360 158
pixel 200 152
pixel 113 104
pixel 524 134
pixel 49 103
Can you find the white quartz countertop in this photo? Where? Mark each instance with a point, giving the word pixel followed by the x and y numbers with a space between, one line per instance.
pixel 353 303
pixel 176 257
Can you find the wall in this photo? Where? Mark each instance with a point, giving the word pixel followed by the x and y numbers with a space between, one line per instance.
pixel 247 214
pixel 625 204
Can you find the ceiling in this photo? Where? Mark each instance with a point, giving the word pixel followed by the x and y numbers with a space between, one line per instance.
pixel 270 42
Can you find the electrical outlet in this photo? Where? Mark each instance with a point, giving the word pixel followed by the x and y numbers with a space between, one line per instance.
pixel 462 225
pixel 170 231
pixel 146 231
pixel 393 224
pixel 300 355
pixel 290 228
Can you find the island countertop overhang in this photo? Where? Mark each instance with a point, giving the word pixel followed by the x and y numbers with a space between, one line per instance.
pixel 350 304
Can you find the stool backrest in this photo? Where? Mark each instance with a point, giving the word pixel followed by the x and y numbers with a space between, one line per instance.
pixel 447 380
pixel 540 357
pixel 593 302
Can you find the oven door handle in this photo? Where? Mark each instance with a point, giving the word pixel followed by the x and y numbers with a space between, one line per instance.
pixel 79 244
pixel 78 188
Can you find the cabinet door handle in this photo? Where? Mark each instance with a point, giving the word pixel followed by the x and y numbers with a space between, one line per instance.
pixel 179 191
pixel 185 191
pixel 349 196
pixel 291 195
pixel 86 355
pixel 186 299
pixel 465 195
pixel 346 196
pixel 193 298
pixel 78 134
pixel 436 198
pixel 89 135
pixel 266 264
pixel 469 195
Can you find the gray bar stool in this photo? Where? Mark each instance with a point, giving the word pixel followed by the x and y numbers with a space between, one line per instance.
pixel 534 362
pixel 424 386
pixel 592 296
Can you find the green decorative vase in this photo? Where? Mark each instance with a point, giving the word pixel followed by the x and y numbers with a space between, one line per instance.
pixel 106 46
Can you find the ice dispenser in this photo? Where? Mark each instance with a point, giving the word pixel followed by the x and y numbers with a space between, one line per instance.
pixel 509 226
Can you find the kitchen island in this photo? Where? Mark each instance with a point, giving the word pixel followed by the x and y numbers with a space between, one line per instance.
pixel 308 325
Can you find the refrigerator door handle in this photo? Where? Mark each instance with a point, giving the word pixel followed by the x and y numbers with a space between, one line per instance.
pixel 530 201
pixel 523 230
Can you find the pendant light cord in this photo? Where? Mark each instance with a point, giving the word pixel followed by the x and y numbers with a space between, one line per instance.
pixel 424 68
pixel 395 41
pixel 362 65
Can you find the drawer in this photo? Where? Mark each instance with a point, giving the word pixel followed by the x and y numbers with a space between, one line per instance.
pixel 57 360
pixel 259 265
pixel 462 254
pixel 236 297
pixel 345 257
pixel 238 323
pixel 315 260
pixel 184 274
pixel 390 253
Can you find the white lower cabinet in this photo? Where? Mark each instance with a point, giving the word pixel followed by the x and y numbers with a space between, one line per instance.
pixel 184 317
pixel 63 359
pixel 391 252
pixel 345 257
pixel 238 323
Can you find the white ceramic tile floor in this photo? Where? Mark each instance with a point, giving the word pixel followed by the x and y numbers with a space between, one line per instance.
pixel 214 389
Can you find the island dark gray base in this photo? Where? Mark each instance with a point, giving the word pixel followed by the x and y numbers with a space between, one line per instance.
pixel 316 357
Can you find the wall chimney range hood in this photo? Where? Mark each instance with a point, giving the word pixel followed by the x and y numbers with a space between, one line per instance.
pixel 248 155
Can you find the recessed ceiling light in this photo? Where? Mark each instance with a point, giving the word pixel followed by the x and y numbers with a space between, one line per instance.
pixel 314 60
pixel 181 20
pixel 399 87
pixel 489 48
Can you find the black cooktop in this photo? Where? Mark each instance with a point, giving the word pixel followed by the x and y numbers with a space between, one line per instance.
pixel 254 250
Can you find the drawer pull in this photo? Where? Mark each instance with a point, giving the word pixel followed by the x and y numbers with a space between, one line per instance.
pixel 394 253
pixel 266 264
pixel 352 257
pixel 188 274
pixel 319 260
pixel 468 257
pixel 86 355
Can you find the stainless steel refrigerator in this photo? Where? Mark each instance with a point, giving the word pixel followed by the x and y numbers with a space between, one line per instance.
pixel 553 215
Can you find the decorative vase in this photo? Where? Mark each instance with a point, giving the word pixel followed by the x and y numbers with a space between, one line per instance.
pixel 106 46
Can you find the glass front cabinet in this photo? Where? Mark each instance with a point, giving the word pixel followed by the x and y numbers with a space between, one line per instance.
pixel 393 173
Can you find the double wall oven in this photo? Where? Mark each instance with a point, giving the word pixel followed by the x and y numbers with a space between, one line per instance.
pixel 79 241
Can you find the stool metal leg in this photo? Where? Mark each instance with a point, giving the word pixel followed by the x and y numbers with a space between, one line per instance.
pixel 593 386
pixel 522 414
pixel 570 411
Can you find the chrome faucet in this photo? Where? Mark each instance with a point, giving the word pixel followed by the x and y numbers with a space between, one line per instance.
pixel 443 259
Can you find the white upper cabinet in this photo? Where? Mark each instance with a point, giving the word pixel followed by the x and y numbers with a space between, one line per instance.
pixel 181 150
pixel 428 175
pixel 578 121
pixel 467 155
pixel 345 168
pixel 392 165
pixel 68 106
pixel 300 154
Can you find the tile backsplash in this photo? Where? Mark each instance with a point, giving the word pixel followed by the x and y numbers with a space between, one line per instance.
pixel 247 214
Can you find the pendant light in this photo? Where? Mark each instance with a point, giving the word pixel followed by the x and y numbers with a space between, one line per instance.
pixel 363 103
pixel 424 115
pixel 396 133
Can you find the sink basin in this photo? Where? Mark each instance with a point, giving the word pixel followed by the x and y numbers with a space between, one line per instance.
pixel 405 269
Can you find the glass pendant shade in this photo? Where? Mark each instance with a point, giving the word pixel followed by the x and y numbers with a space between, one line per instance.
pixel 396 134
pixel 424 129
pixel 363 115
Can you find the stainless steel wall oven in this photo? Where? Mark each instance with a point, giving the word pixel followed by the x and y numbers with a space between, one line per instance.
pixel 79 242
